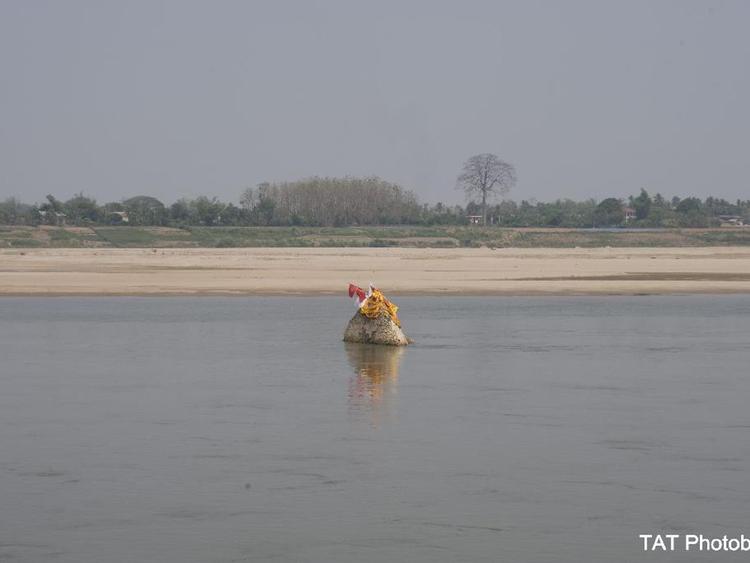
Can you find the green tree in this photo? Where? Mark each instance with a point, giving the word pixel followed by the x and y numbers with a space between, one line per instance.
pixel 206 211
pixel 642 205
pixel 11 211
pixel 179 212
pixel 145 210
pixel 82 210
pixel 50 209
pixel 609 213
pixel 689 205
pixel 264 211
pixel 231 215
pixel 692 213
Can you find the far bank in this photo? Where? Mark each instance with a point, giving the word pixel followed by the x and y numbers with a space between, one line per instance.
pixel 474 236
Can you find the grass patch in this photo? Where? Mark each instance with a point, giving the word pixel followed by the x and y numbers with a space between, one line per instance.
pixel 725 237
pixel 357 237
pixel 381 242
pixel 23 242
pixel 133 237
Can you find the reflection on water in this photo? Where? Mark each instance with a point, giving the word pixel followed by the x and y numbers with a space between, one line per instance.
pixel 374 383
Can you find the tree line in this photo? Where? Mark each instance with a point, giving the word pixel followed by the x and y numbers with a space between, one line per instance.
pixel 332 202
pixel 636 211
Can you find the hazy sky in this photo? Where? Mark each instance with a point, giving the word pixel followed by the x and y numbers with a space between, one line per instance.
pixel 181 98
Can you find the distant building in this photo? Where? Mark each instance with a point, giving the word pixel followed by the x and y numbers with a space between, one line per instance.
pixel 629 214
pixel 732 221
pixel 58 218
pixel 123 215
pixel 474 219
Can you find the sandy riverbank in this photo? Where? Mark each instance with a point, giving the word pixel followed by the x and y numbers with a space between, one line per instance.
pixel 306 271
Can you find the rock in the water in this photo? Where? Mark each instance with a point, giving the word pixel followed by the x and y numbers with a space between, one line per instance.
pixel 380 330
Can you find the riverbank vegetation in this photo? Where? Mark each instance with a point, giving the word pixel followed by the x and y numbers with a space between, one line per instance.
pixel 439 236
pixel 368 202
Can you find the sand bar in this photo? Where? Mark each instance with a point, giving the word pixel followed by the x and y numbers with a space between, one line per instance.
pixel 316 271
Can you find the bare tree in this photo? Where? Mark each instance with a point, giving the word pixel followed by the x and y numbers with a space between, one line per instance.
pixel 338 201
pixel 486 175
pixel 249 199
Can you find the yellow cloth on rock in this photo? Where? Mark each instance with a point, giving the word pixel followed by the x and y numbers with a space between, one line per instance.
pixel 377 304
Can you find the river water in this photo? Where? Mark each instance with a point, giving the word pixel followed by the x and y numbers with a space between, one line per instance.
pixel 243 429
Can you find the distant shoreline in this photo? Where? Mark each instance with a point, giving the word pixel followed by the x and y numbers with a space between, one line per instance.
pixel 398 271
pixel 398 236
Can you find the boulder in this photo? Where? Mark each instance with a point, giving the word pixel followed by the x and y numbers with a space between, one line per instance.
pixel 380 330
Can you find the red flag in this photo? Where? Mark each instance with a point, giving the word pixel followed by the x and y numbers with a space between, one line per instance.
pixel 358 291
